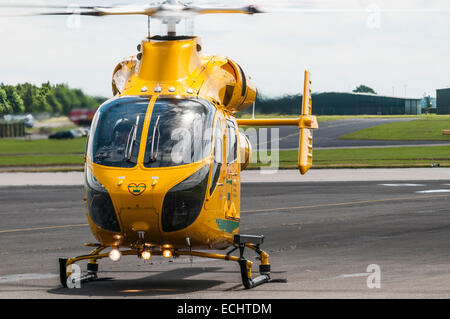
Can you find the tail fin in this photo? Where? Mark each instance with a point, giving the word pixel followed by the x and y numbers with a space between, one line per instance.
pixel 306 123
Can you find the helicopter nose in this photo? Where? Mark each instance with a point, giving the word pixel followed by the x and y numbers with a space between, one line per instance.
pixel 137 203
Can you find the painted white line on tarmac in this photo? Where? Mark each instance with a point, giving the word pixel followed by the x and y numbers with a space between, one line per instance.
pixel 40 228
pixel 20 277
pixel 434 191
pixel 400 185
pixel 343 276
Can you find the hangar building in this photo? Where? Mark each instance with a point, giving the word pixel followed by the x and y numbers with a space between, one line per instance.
pixel 443 101
pixel 337 103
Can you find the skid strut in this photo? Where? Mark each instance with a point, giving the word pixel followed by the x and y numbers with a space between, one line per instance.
pixel 92 267
pixel 252 242
pixel 240 243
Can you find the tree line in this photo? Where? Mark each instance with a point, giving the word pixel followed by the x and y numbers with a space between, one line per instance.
pixel 56 99
pixel 59 99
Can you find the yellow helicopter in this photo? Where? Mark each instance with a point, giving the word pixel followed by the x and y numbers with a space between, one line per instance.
pixel 164 156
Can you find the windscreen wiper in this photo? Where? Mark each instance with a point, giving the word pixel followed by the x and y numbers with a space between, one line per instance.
pixel 154 155
pixel 131 140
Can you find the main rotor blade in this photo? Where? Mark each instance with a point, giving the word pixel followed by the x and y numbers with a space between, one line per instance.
pixel 176 9
pixel 251 9
pixel 38 6
pixel 99 12
pixel 160 10
pixel 83 10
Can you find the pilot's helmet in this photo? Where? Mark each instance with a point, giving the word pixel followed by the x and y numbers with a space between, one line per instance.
pixel 121 130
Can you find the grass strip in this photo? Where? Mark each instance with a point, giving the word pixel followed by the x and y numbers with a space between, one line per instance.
pixel 424 129
pixel 367 157
pixel 44 146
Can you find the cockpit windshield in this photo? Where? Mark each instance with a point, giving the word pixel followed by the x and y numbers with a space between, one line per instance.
pixel 180 132
pixel 116 132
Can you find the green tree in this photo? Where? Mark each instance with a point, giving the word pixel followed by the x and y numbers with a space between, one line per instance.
pixel 83 100
pixel 40 104
pixel 98 100
pixel 56 99
pixel 75 101
pixel 67 97
pixel 53 102
pixel 61 94
pixel 14 99
pixel 5 107
pixel 28 93
pixel 364 89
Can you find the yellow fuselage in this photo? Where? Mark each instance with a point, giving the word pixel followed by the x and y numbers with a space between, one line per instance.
pixel 177 69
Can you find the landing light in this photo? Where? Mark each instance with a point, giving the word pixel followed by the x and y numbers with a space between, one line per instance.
pixel 146 255
pixel 167 253
pixel 115 254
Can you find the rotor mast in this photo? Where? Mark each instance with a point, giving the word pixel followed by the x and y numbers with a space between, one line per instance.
pixel 171 21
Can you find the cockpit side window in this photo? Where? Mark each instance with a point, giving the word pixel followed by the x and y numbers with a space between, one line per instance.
pixel 180 132
pixel 116 132
pixel 218 152
pixel 231 142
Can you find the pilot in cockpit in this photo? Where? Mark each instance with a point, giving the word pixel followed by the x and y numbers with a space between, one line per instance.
pixel 120 135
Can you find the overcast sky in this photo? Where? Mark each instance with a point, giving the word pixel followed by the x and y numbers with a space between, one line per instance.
pixel 395 47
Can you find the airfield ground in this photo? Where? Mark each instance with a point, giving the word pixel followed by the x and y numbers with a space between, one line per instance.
pixel 321 235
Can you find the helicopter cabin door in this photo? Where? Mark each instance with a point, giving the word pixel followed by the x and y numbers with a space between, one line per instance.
pixel 232 179
pixel 216 199
pixel 223 196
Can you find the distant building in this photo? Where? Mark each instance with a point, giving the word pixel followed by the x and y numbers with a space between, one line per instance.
pixel 82 117
pixel 431 100
pixel 443 101
pixel 335 103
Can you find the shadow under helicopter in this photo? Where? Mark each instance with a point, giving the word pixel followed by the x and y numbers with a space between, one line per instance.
pixel 162 283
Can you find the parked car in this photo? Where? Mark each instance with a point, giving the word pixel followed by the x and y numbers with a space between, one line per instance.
pixel 75 133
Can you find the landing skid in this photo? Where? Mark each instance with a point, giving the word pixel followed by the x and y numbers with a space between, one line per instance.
pixel 240 243
pixel 252 242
